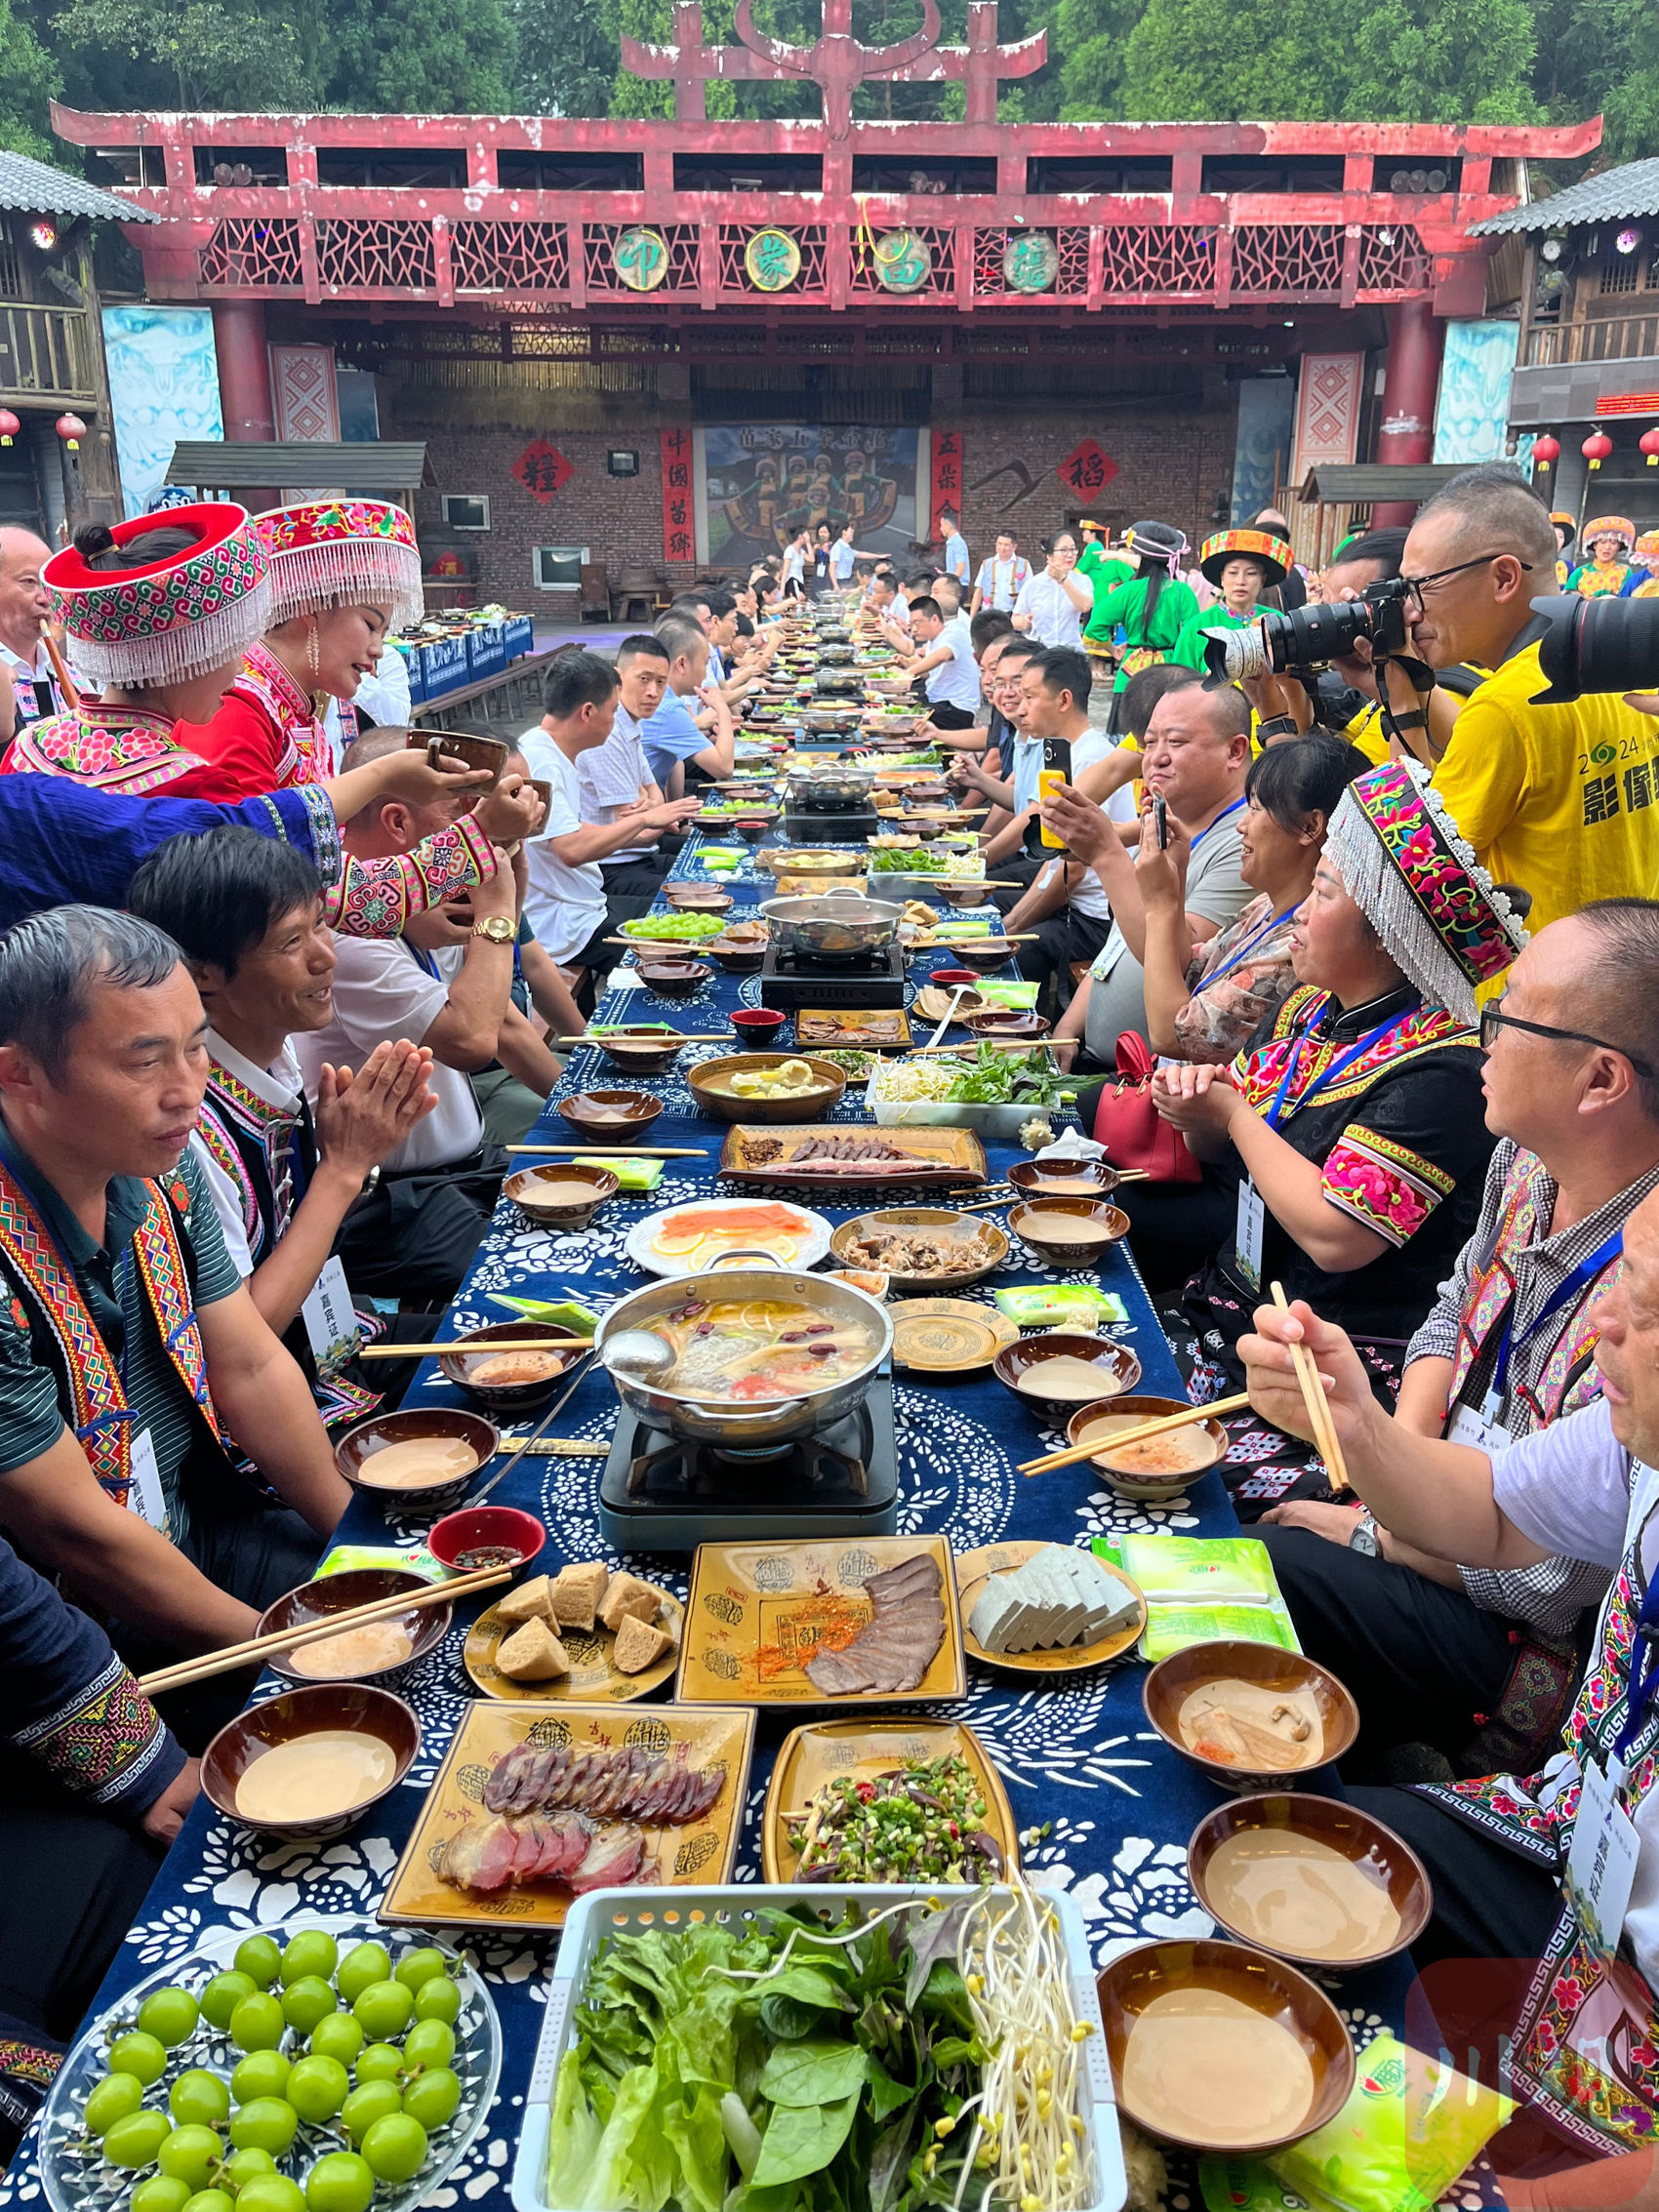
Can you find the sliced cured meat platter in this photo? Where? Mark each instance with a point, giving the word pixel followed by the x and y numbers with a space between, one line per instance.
pixel 836 1156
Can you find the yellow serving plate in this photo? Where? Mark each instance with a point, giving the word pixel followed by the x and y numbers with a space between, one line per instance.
pixel 974 1570
pixel 593 1671
pixel 823 1750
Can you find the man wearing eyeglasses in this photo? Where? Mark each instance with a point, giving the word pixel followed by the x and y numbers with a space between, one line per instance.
pixel 1562 800
pixel 1478 1662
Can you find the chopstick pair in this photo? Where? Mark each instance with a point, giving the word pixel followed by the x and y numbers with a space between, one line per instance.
pixel 1162 1426
pixel 258 1649
pixel 460 1343
pixel 1317 1404
pixel 664 1037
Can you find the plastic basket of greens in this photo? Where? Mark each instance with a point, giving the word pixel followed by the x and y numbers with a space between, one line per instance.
pixel 996 1093
pixel 871 2045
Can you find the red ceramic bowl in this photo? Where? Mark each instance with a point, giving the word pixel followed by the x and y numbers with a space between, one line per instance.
pixel 475 1526
pixel 947 978
pixel 757 1027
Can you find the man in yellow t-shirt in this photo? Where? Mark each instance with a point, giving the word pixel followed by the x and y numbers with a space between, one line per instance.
pixel 1562 800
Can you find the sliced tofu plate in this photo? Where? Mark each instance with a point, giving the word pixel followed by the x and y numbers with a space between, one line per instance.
pixel 1037 1608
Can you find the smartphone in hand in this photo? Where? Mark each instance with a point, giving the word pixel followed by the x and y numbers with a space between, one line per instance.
pixel 1160 816
pixel 1054 774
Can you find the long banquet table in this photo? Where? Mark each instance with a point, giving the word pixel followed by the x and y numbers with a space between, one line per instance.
pixel 1105 1809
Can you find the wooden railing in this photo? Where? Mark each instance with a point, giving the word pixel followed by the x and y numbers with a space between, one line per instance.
pixel 46 351
pixel 1611 338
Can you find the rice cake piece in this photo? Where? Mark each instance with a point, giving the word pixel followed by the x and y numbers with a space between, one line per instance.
pixel 639 1644
pixel 577 1592
pixel 532 1653
pixel 531 1601
pixel 626 1594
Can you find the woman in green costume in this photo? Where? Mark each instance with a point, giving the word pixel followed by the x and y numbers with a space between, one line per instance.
pixel 1153 608
pixel 1241 564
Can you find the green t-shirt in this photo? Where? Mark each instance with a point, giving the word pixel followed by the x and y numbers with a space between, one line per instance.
pixel 1176 608
pixel 31 1418
pixel 1105 573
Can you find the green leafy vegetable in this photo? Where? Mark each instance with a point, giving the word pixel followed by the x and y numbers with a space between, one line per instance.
pixel 802 2140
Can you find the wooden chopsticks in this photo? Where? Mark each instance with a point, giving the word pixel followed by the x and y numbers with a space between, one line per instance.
pixel 652 1040
pixel 460 1343
pixel 614 1152
pixel 1160 1428
pixel 1315 1399
pixel 258 1649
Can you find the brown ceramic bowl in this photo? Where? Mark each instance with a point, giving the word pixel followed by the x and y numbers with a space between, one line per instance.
pixel 1007 1023
pixel 675 979
pixel 1044 1178
pixel 511 1399
pixel 642 1050
pixel 1277 1992
pixel 959 895
pixel 424 1626
pixel 610 1117
pixel 355 1707
pixel 708 1080
pixel 1144 1483
pixel 1050 1225
pixel 1385 1859
pixel 981 953
pixel 698 898
pixel 737 956
pixel 1173 1680
pixel 751 828
pixel 526 1188
pixel 358 1446
pixel 1119 1369
pixel 478 753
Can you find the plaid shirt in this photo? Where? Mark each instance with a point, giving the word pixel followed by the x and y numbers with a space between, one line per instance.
pixel 1551 1595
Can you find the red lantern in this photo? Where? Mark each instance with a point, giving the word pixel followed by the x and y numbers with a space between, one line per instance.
pixel 71 429
pixel 1648 442
pixel 1545 451
pixel 9 426
pixel 1595 448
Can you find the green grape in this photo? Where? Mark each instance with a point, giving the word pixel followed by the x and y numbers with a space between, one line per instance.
pixel 306 2001
pixel 242 2165
pixel 418 1966
pixel 209 2201
pixel 170 2016
pixel 428 2043
pixel 261 2073
pixel 313 1951
pixel 259 1957
pixel 223 1995
pixel 271 2193
pixel 256 2023
pixel 317 2087
pixel 339 2183
pixel 433 2098
pixel 135 2140
pixel 381 2062
pixel 395 2150
pixel 371 2101
pixel 115 2096
pixel 364 1964
pixel 438 1999
pixel 137 2054
pixel 338 2036
pixel 199 2098
pixel 161 2194
pixel 189 2154
pixel 265 2123
pixel 385 2009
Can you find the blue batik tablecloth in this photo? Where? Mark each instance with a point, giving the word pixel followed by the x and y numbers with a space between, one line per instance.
pixel 1104 1807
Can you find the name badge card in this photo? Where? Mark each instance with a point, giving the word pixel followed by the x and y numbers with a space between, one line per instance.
pixel 330 1320
pixel 1602 1864
pixel 145 1496
pixel 1248 1236
pixel 1467 1426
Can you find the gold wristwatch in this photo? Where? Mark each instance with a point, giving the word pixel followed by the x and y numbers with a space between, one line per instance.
pixel 496 927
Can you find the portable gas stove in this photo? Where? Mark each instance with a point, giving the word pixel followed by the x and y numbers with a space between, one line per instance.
pixel 658 1494
pixel 789 980
pixel 819 825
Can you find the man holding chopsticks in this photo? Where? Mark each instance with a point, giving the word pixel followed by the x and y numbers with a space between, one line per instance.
pixel 130 1350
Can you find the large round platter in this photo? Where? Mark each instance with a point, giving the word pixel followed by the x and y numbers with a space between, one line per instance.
pixel 948 1335
pixel 810 1248
pixel 73 2166
pixel 975 1568
pixel 593 1671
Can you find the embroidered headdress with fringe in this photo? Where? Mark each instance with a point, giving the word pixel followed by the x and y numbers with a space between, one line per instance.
pixel 174 618
pixel 348 552
pixel 1413 875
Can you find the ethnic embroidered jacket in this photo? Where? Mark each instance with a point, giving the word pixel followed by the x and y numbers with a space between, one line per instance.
pixel 267 733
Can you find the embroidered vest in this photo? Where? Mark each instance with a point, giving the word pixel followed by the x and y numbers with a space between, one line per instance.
pixel 1258 1074
pixel 1587 2043
pixel 90 1392
pixel 303 748
pixel 110 749
pixel 1568 1380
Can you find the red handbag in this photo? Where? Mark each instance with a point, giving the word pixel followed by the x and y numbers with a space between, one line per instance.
pixel 1128 1124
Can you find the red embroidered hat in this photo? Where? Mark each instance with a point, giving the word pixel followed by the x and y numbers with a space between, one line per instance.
pixel 341 552
pixel 1413 875
pixel 1264 545
pixel 168 619
pixel 1617 526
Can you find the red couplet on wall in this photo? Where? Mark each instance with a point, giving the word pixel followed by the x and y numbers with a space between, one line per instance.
pixel 679 536
pixel 947 475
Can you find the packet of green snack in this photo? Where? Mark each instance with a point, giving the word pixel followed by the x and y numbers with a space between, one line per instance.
pixel 996 993
pixel 1201 1569
pixel 632 1175
pixel 345 1558
pixel 1410 2126
pixel 1243 2185
pixel 1172 1627
pixel 565 1315
pixel 1061 1306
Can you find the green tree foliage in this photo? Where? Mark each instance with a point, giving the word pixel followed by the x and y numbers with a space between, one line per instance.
pixel 204 54
pixel 27 81
pixel 1602 58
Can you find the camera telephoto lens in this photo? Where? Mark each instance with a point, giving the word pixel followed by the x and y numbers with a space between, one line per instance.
pixel 1597 645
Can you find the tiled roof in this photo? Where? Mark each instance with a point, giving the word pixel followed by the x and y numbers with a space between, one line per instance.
pixel 1633 189
pixel 34 187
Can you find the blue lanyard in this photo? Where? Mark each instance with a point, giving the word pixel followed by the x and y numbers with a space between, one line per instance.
pixel 1337 1066
pixel 1643 1671
pixel 1216 824
pixel 1585 1273
pixel 1244 950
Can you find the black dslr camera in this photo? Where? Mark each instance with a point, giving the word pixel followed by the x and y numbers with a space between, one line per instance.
pixel 1597 645
pixel 1313 636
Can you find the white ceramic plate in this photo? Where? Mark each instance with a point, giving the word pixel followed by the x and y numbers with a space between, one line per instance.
pixel 810 1248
